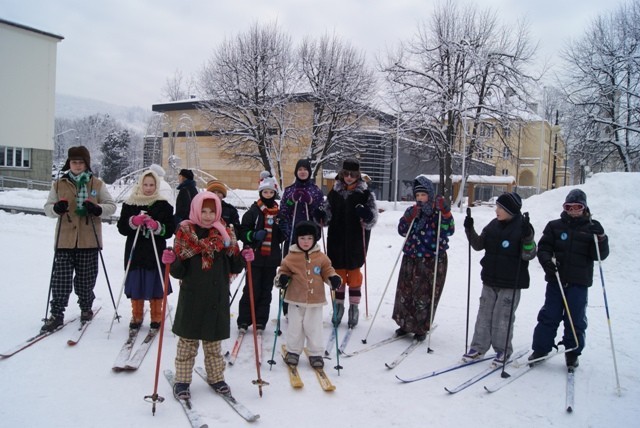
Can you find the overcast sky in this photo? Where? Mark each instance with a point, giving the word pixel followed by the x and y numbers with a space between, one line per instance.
pixel 122 51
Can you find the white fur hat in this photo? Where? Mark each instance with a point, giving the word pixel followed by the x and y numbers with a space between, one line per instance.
pixel 157 169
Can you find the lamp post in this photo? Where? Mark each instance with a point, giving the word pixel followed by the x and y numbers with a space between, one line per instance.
pixel 56 142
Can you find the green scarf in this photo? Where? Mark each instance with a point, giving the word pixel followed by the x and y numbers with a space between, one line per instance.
pixel 81 181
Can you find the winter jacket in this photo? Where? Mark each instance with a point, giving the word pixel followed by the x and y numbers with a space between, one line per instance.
pixel 230 215
pixel 302 191
pixel 252 221
pixel 203 303
pixel 569 240
pixel 308 272
pixel 78 231
pixel 422 243
pixel 186 192
pixel 345 246
pixel 143 256
pixel 505 257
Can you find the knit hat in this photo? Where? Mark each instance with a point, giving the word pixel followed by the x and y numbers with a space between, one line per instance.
pixel 510 202
pixel 307 227
pixel 423 184
pixel 217 186
pixel 577 196
pixel 303 163
pixel 78 153
pixel 351 165
pixel 186 173
pixel 267 182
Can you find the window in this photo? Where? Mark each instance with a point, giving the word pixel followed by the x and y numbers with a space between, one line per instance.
pixel 506 131
pixel 486 130
pixel 505 172
pixel 506 153
pixel 17 157
pixel 489 153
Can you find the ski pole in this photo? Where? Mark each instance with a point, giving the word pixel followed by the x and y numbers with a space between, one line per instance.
pixel 375 314
pixel 252 303
pixel 155 398
pixel 124 280
pixel 335 330
pixel 466 336
pixel 53 266
pixel 104 268
pixel 606 306
pixel 272 361
pixel 237 288
pixel 566 307
pixel 435 277
pixel 364 251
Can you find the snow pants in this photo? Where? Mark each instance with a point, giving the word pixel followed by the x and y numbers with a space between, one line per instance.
pixel 305 322
pixel 492 322
pixel 262 277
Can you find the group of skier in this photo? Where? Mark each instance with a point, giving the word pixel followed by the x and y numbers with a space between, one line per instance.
pixel 281 242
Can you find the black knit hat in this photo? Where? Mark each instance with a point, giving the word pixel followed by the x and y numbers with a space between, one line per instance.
pixel 351 165
pixel 186 173
pixel 577 196
pixel 510 202
pixel 306 227
pixel 78 153
pixel 303 163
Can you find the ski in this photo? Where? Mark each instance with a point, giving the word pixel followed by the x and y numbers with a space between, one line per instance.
pixel 400 358
pixel 236 347
pixel 447 369
pixel 294 375
pixel 77 335
pixel 330 344
pixel 373 346
pixel 494 367
pixel 125 352
pixel 136 360
pixel 324 380
pixel 32 340
pixel 345 340
pixel 570 390
pixel 247 414
pixel 194 417
pixel 521 370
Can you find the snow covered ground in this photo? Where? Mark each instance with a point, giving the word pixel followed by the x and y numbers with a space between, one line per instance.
pixel 56 385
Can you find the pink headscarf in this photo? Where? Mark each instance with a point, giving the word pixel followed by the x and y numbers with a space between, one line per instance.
pixel 195 215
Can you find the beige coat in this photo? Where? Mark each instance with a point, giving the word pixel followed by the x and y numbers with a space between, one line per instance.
pixel 308 275
pixel 77 232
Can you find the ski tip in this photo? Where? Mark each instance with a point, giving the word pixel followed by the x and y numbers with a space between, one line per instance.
pixel 569 409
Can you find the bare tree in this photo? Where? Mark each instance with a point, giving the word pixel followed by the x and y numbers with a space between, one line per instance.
pixel 602 80
pixel 341 86
pixel 177 87
pixel 249 81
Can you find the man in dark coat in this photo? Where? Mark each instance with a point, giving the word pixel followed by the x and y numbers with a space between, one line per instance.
pixel 187 190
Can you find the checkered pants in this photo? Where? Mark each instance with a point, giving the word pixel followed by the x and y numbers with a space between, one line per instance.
pixel 186 356
pixel 85 265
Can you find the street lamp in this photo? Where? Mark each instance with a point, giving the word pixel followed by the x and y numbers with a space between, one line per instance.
pixel 58 146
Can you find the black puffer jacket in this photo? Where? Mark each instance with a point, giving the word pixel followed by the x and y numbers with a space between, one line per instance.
pixel 574 248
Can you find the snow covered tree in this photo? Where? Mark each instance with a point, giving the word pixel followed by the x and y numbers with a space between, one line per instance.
pixel 115 151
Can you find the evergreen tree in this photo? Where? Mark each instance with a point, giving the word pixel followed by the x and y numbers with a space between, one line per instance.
pixel 115 161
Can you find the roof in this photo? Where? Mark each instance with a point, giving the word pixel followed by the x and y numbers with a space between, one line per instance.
pixel 33 30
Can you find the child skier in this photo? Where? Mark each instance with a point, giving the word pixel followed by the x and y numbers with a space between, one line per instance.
pixel 152 215
pixel 206 253
pixel 412 306
pixel 508 241
pixel 302 274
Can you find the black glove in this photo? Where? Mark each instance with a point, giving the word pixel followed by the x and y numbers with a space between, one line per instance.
pixel 320 215
pixel 527 230
pixel 283 281
pixel 468 222
pixel 259 235
pixel 596 228
pixel 364 213
pixel 61 207
pixel 92 208
pixel 335 281
pixel 549 267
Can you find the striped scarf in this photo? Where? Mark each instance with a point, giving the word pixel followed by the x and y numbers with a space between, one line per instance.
pixel 269 215
pixel 81 181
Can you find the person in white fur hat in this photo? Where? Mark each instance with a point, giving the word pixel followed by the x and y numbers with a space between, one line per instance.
pixel 164 188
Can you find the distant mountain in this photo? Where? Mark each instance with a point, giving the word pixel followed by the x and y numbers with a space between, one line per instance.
pixel 70 107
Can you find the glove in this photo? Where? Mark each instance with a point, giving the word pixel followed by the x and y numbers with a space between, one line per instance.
pixel 527 230
pixel 363 213
pixel 248 254
pixel 283 281
pixel 259 235
pixel 550 267
pixel 413 213
pixel 151 224
pixel 442 205
pixel 61 207
pixel 320 215
pixel 138 220
pixel 168 256
pixel 301 196
pixel 468 222
pixel 92 208
pixel 595 228
pixel 335 281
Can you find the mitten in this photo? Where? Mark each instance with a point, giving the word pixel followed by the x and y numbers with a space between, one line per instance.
pixel 168 256
pixel 92 208
pixel 151 224
pixel 413 213
pixel 319 215
pixel 138 220
pixel 335 281
pixel 549 267
pixel 363 212
pixel 283 281
pixel 248 254
pixel 468 222
pixel 596 228
pixel 259 235
pixel 527 230
pixel 61 207
pixel 299 195
pixel 443 206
